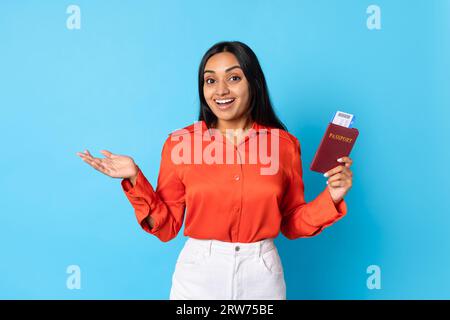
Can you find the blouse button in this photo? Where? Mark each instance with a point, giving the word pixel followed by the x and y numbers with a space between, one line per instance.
pixel 236 177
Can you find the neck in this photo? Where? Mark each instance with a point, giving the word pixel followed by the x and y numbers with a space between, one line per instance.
pixel 244 124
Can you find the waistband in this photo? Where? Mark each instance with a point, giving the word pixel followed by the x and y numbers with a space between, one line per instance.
pixel 232 248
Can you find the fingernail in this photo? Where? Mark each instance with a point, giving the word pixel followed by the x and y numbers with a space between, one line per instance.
pixel 325 174
pixel 327 181
pixel 339 160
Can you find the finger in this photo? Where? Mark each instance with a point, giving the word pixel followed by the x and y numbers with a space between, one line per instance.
pixel 341 184
pixel 95 164
pixel 82 155
pixel 89 155
pixel 106 163
pixel 337 176
pixel 100 162
pixel 347 172
pixel 333 171
pixel 346 161
pixel 107 154
pixel 89 160
pixel 85 153
pixel 103 161
pixel 100 168
pixel 337 184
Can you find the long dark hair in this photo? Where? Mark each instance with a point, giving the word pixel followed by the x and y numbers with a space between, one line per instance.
pixel 261 109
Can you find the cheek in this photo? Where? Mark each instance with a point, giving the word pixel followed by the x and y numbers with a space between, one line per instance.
pixel 208 93
pixel 244 92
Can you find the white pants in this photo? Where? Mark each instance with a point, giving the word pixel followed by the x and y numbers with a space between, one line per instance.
pixel 217 270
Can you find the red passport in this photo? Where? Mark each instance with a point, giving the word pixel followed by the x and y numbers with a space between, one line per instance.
pixel 337 142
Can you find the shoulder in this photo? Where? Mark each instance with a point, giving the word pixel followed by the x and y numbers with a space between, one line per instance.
pixel 288 139
pixel 176 135
pixel 189 129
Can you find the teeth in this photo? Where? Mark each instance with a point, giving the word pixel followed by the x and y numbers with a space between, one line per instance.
pixel 224 101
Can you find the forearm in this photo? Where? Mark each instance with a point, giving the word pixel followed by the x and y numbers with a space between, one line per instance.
pixel 149 220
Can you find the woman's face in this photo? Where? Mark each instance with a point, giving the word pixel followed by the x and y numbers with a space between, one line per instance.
pixel 226 89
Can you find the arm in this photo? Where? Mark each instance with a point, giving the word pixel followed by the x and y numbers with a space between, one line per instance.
pixel 301 219
pixel 150 220
pixel 159 212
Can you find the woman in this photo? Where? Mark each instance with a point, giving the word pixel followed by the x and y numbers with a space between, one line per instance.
pixel 235 206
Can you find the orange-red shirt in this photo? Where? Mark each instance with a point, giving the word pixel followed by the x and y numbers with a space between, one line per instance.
pixel 229 198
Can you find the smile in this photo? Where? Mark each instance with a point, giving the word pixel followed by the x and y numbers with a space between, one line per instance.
pixel 223 104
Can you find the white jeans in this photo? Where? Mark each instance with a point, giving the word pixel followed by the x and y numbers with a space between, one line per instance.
pixel 217 270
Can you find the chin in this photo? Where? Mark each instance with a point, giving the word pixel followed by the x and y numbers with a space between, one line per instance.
pixel 225 118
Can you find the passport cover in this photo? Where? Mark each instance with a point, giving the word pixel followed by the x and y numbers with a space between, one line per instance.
pixel 337 142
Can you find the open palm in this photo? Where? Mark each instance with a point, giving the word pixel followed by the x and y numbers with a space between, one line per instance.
pixel 113 165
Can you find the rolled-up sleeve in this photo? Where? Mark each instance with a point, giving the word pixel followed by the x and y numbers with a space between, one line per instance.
pixel 301 219
pixel 166 205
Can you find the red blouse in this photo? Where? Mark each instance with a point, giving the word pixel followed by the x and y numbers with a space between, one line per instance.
pixel 231 198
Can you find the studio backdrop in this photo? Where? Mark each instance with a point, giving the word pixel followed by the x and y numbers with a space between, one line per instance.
pixel 122 75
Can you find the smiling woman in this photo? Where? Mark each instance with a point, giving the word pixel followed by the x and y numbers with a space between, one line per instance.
pixel 235 209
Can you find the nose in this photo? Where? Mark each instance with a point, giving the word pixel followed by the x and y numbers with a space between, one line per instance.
pixel 222 88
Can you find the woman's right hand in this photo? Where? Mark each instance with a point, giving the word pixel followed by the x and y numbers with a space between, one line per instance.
pixel 114 165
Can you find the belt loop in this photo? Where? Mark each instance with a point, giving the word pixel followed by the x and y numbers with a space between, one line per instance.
pixel 209 250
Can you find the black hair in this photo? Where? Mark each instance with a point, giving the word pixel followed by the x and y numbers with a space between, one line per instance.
pixel 260 108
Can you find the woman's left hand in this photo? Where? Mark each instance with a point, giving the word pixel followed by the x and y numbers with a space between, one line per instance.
pixel 340 179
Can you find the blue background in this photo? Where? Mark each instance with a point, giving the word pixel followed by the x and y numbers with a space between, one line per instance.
pixel 128 77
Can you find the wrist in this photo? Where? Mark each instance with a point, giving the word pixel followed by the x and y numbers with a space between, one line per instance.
pixel 337 201
pixel 134 176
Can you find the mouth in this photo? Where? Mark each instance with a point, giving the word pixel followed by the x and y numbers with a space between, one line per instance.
pixel 224 104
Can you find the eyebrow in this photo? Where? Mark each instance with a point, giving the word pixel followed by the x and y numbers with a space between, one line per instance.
pixel 227 70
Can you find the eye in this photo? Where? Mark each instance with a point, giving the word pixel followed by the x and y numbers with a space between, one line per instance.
pixel 235 78
pixel 209 81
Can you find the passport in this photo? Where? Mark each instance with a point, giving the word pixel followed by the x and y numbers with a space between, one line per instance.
pixel 337 142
